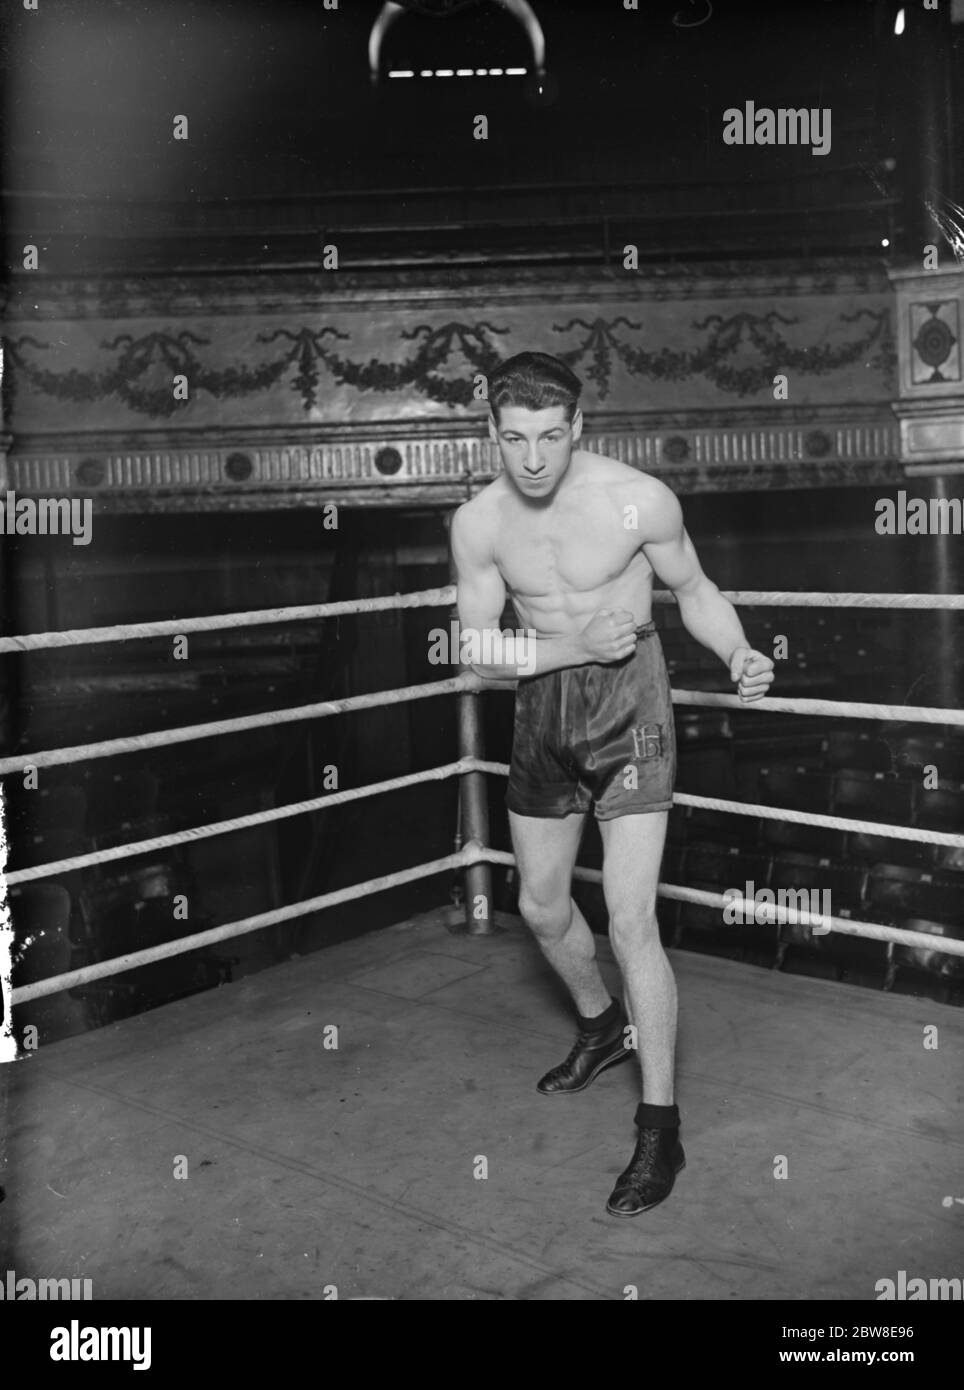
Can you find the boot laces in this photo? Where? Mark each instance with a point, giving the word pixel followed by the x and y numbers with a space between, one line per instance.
pixel 646 1157
pixel 582 1040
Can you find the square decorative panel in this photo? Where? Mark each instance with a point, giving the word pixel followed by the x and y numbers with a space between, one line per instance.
pixel 935 346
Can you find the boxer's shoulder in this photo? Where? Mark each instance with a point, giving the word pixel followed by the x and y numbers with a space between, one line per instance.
pixel 622 483
pixel 478 518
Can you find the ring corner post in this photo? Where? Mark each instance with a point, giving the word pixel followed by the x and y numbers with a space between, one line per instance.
pixel 479 919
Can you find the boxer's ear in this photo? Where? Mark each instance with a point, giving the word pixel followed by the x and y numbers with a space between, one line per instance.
pixel 493 428
pixel 576 425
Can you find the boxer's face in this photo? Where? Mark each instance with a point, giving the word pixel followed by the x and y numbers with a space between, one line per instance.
pixel 536 446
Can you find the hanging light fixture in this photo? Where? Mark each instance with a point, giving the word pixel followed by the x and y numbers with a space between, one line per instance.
pixel 520 10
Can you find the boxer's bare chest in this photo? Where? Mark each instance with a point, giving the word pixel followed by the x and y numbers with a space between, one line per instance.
pixel 578 547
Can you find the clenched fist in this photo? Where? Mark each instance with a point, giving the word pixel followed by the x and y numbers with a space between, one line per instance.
pixel 753 671
pixel 610 635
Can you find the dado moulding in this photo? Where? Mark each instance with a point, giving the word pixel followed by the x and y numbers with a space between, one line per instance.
pixel 447 469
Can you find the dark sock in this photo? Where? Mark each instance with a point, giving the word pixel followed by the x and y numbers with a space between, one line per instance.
pixel 657 1116
pixel 601 1021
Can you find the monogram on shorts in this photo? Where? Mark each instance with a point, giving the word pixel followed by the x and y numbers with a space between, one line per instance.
pixel 648 741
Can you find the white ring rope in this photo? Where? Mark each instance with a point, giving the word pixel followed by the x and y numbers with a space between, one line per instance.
pixel 468 682
pixel 847 709
pixel 435 598
pixel 177 627
pixel 164 950
pixel 784 813
pixel 161 738
pixel 770 704
pixel 473 853
pixel 790 598
pixel 113 853
pixel 846 926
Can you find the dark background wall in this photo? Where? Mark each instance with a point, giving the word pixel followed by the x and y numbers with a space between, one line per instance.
pixel 281 110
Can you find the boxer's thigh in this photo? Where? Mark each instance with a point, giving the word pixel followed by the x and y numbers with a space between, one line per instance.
pixel 632 855
pixel 545 850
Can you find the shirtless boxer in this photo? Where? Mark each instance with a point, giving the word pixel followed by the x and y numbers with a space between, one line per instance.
pixel 574 539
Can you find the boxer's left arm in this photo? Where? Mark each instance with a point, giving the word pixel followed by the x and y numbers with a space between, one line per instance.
pixel 706 614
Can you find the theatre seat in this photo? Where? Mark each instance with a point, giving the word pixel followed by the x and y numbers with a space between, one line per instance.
pixel 859 959
pixel 727 866
pixel 947 755
pixel 121 802
pixel 61 807
pixel 896 892
pixel 846 748
pixel 785 744
pixel 799 952
pixel 949 860
pixel 941 808
pixel 800 948
pixel 845 883
pixel 924 969
pixel 722 827
pixel 40 914
pixel 703 929
pixel 872 796
pixel 796 788
pixel 66 844
pixel 706 770
pixel 779 836
pixel 48 846
pixel 881 849
pixel 702 726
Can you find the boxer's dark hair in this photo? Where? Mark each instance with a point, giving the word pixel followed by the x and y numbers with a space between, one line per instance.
pixel 535 381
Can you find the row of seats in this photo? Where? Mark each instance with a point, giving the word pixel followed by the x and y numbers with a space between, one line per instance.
pixel 90 915
pixel 879 749
pixel 882 892
pixel 851 654
pixel 690 826
pixel 863 795
pixel 94 808
pixel 904 754
pixel 76 810
pixel 61 928
pixel 858 960
pixel 870 877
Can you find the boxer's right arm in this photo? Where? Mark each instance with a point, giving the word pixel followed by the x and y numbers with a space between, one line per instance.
pixel 481 599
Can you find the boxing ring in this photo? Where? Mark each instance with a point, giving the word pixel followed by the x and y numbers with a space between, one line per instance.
pixel 474 855
pixel 749 1274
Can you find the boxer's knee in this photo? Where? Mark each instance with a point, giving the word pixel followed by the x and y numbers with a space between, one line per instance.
pixel 633 929
pixel 546 914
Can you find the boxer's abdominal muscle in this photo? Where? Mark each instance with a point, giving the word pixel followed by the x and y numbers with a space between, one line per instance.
pixel 560 571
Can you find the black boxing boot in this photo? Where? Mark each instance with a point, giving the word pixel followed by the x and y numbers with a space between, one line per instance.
pixel 652 1170
pixel 601 1043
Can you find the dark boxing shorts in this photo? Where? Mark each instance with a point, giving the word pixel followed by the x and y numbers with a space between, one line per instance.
pixel 600 733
